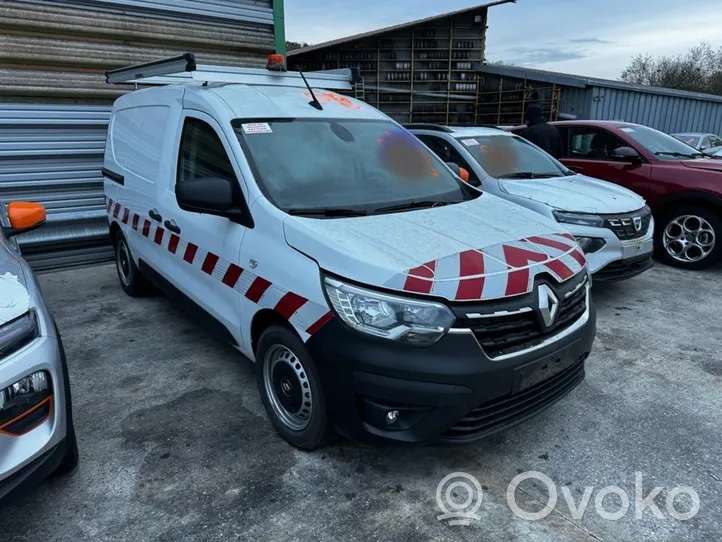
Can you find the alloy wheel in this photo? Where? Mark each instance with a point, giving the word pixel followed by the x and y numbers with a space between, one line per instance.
pixel 689 238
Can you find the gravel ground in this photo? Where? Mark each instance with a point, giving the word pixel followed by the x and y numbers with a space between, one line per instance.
pixel 175 444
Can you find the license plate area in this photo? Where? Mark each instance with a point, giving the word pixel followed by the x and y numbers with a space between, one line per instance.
pixel 538 371
pixel 630 252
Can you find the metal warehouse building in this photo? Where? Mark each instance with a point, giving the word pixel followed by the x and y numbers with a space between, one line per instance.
pixel 55 104
pixel 589 98
pixel 421 71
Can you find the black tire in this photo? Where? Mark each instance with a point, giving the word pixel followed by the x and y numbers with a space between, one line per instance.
pixel 131 279
pixel 667 227
pixel 295 371
pixel 72 456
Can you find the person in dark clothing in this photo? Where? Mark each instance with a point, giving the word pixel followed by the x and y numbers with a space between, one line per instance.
pixel 541 133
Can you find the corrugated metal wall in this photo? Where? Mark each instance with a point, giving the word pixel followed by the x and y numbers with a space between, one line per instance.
pixel 254 11
pixel 575 102
pixel 669 114
pixel 55 104
pixel 53 154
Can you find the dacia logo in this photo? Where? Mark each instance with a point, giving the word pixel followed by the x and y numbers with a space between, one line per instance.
pixel 548 305
pixel 637 223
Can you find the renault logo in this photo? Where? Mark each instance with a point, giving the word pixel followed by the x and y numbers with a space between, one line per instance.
pixel 548 305
pixel 637 223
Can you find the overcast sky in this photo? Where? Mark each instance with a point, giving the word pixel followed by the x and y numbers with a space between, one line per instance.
pixel 585 37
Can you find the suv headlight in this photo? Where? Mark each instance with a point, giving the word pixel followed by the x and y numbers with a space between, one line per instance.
pixel 420 323
pixel 579 219
pixel 17 333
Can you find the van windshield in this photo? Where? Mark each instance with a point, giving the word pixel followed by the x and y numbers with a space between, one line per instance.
pixel 306 166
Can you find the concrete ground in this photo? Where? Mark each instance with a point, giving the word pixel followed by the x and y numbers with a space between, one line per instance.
pixel 175 444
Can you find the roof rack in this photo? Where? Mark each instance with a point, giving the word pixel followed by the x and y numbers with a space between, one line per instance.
pixel 183 69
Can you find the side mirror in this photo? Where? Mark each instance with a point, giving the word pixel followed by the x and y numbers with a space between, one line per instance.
pixel 24 216
pixel 627 154
pixel 211 195
pixel 459 171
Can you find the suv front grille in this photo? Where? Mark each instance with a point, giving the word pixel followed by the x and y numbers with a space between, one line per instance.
pixel 517 327
pixel 624 227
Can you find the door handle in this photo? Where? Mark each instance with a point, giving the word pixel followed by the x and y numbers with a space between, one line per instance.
pixel 155 215
pixel 172 226
pixel 576 169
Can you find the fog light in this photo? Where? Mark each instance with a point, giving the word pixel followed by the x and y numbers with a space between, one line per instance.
pixel 591 244
pixel 392 416
pixel 25 404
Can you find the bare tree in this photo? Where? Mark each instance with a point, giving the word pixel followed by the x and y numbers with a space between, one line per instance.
pixel 698 70
pixel 291 45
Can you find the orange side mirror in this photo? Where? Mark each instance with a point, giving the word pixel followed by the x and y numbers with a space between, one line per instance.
pixel 25 216
pixel 464 174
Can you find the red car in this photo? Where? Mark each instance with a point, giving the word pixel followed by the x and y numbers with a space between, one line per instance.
pixel 683 186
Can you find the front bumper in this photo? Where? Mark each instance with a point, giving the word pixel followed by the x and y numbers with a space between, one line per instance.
pixel 28 458
pixel 615 251
pixel 437 389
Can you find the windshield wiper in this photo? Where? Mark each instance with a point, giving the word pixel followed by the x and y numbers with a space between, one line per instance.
pixel 327 211
pixel 681 154
pixel 528 175
pixel 411 205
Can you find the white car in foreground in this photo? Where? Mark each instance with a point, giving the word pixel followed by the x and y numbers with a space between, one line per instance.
pixel 612 224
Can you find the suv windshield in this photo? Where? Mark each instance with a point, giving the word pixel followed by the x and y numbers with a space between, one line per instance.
pixel 663 146
pixel 512 157
pixel 339 167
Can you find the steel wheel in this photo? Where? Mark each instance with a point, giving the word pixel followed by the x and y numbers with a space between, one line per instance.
pixel 287 387
pixel 123 262
pixel 689 238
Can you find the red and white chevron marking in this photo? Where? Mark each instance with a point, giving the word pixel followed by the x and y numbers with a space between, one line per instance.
pixel 499 271
pixel 306 316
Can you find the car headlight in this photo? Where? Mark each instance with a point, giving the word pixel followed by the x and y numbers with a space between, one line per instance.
pixel 412 321
pixel 17 333
pixel 579 219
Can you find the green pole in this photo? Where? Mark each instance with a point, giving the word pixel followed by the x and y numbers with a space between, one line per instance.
pixel 279 27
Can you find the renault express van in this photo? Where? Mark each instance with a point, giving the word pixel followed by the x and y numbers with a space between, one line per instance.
pixel 377 293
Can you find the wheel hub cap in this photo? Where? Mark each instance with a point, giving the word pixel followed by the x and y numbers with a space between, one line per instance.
pixel 287 387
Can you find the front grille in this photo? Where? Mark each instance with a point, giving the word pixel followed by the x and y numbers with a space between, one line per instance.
pixel 504 412
pixel 623 225
pixel 502 335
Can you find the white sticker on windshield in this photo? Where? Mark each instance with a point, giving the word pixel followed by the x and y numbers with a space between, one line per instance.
pixel 257 128
pixel 628 130
pixel 471 143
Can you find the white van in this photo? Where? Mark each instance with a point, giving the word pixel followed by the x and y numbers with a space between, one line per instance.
pixel 378 294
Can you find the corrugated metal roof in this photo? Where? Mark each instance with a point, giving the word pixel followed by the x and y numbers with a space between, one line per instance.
pixel 582 81
pixel 401 26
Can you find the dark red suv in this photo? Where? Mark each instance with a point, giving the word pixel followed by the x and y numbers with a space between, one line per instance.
pixel 682 185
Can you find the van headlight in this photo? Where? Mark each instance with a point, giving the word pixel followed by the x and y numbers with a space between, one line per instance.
pixel 17 333
pixel 420 323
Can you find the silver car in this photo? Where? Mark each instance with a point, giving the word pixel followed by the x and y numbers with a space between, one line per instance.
pixel 37 437
pixel 709 144
pixel 612 225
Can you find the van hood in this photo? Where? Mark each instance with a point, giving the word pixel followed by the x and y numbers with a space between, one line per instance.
pixel 578 193
pixel 482 249
pixel 703 163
